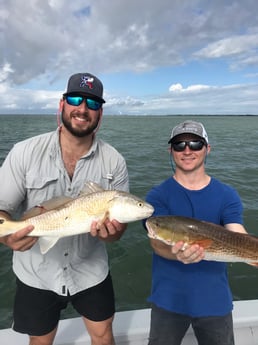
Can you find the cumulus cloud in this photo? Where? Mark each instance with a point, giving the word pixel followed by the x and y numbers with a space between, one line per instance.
pixel 229 46
pixel 5 72
pixel 43 42
pixel 235 99
pixel 51 37
pixel 192 88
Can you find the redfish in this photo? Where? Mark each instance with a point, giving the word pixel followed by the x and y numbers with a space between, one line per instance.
pixel 66 216
pixel 220 244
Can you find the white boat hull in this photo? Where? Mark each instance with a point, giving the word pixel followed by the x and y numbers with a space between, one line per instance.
pixel 132 328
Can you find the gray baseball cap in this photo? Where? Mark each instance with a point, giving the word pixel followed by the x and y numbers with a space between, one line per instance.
pixel 85 84
pixel 191 127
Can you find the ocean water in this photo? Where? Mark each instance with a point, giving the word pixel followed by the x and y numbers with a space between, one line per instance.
pixel 143 142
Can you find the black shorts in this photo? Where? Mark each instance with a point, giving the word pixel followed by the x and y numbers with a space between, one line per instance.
pixel 37 312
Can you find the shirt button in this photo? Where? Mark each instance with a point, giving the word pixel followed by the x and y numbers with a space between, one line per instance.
pixel 65 254
pixel 65 268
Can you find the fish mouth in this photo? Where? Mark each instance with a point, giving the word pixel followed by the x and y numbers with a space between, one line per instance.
pixel 151 233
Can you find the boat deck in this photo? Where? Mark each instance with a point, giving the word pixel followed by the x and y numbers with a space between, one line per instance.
pixel 132 327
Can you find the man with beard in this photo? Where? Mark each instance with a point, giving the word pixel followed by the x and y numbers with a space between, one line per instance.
pixel 76 269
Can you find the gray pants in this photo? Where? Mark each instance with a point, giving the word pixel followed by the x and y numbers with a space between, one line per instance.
pixel 169 328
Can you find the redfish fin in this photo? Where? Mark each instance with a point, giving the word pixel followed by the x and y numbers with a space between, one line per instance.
pixel 46 243
pixel 46 206
pixel 91 187
pixel 254 264
pixel 205 243
pixel 102 221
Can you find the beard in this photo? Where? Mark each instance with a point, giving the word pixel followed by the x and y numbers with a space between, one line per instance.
pixel 78 132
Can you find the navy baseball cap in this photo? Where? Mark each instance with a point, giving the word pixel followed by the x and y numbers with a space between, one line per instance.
pixel 85 84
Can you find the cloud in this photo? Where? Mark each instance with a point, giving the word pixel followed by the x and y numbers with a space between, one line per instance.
pixel 192 88
pixel 229 46
pixel 242 48
pixel 43 42
pixel 51 37
pixel 195 99
pixel 176 87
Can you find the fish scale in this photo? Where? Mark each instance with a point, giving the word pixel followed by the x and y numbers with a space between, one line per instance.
pixel 75 216
pixel 220 244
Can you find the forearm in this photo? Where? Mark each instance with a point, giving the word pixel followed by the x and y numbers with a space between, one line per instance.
pixel 236 227
pixel 162 249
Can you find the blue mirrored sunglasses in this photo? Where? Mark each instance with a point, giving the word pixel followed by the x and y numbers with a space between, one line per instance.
pixel 195 145
pixel 77 100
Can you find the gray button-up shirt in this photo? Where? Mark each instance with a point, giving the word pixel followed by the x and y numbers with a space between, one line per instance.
pixel 32 173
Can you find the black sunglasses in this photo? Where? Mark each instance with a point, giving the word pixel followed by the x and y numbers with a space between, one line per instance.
pixel 195 145
pixel 77 100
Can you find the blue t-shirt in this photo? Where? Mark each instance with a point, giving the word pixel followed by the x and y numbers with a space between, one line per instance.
pixel 199 289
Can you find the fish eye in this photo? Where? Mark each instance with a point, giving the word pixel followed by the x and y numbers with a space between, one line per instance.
pixel 140 204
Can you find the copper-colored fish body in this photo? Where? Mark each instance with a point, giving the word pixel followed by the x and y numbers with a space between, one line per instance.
pixel 220 244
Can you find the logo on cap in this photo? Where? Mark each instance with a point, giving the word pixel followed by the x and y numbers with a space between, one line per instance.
pixel 87 81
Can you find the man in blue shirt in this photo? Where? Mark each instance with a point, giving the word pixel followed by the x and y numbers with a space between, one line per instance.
pixel 187 290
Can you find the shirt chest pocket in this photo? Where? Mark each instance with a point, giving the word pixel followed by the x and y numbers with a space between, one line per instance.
pixel 41 188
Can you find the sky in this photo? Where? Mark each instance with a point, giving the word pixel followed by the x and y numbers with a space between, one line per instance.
pixel 165 57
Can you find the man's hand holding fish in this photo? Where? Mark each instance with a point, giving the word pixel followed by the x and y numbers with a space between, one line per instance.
pixel 109 231
pixel 187 254
pixel 19 240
